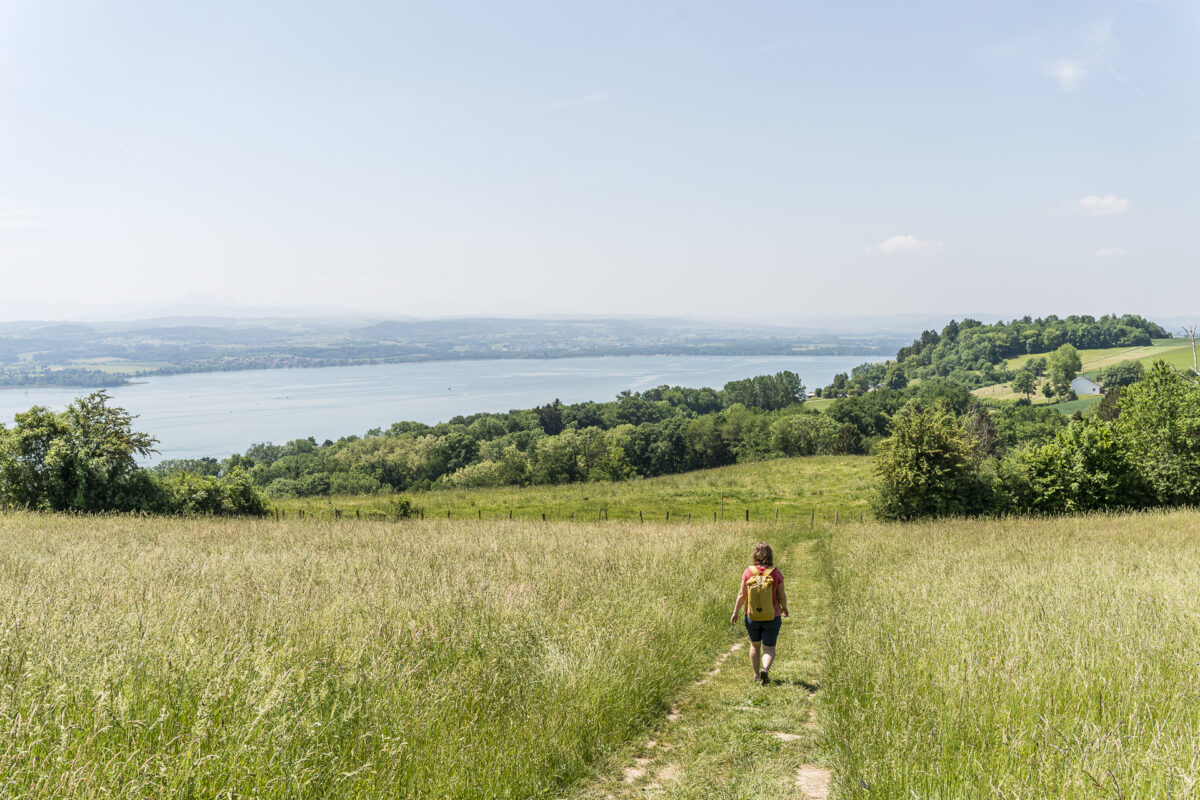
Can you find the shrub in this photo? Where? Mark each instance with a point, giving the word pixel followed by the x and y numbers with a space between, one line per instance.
pixel 1085 468
pixel 282 488
pixel 353 482
pixel 1160 421
pixel 1125 373
pixel 403 508
pixel 193 493
pixel 804 434
pixel 928 467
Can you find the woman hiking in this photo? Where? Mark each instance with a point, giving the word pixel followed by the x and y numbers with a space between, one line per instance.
pixel 761 594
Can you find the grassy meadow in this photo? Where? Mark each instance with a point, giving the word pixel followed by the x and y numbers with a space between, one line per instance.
pixel 1177 352
pixel 795 487
pixel 322 658
pixel 1003 391
pixel 233 658
pixel 1018 658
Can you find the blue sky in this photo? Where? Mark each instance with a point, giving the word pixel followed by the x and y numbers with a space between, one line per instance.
pixel 758 159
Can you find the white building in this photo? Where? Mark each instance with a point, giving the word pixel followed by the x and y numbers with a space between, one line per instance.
pixel 1083 385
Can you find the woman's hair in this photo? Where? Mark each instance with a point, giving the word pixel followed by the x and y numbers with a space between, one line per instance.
pixel 762 556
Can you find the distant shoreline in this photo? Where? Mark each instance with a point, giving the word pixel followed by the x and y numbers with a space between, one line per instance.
pixel 111 379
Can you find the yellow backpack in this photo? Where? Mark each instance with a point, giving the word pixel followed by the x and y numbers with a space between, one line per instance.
pixel 760 596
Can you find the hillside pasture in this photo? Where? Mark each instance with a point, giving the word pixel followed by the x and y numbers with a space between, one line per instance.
pixel 1003 391
pixel 1016 658
pixel 234 658
pixel 1177 352
pixel 795 487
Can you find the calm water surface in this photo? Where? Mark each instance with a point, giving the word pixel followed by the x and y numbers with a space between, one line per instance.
pixel 219 413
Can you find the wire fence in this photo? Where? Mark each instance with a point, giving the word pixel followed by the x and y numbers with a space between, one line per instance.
pixel 812 516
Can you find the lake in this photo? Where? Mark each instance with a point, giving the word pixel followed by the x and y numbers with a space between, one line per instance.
pixel 220 413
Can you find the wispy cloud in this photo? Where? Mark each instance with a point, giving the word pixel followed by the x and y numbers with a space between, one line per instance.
pixel 1069 73
pixel 1070 59
pixel 1093 53
pixel 1111 252
pixel 1102 206
pixel 907 245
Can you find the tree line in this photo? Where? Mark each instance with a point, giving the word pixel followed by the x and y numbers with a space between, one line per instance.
pixel 664 430
pixel 84 459
pixel 1140 449
pixel 972 353
pixel 660 431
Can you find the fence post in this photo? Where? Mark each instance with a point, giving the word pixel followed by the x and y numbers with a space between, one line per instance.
pixel 572 516
pixel 714 516
pixel 777 516
pixel 447 513
pixel 812 521
pixel 422 513
pixel 639 516
pixel 543 516
pixel 337 513
pixel 835 516
pixel 479 514
pixel 510 513
pixel 689 516
pixel 668 516
pixel 747 515
pixel 357 515
pixel 722 506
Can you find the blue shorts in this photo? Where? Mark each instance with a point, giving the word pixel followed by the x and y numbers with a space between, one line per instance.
pixel 766 632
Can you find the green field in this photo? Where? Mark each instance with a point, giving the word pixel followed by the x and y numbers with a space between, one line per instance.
pixel 214 658
pixel 796 488
pixel 344 658
pixel 1017 658
pixel 1002 391
pixel 1177 352
pixel 120 366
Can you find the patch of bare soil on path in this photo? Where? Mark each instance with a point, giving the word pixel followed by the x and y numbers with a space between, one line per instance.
pixel 813 782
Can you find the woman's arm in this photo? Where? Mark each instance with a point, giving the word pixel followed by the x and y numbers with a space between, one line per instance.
pixel 782 599
pixel 741 600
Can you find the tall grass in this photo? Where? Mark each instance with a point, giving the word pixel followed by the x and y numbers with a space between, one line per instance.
pixel 1023 658
pixel 218 658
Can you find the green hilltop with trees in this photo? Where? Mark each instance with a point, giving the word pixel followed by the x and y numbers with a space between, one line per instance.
pixel 940 449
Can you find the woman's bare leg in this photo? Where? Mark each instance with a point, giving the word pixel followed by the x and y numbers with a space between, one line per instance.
pixel 768 655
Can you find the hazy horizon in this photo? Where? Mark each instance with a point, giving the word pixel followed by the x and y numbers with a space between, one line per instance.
pixel 201 310
pixel 621 159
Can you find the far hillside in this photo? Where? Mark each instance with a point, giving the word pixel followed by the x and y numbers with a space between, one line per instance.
pixel 976 354
pixel 1175 352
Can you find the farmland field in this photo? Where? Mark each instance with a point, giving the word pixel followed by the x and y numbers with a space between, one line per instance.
pixel 795 487
pixel 1003 391
pixel 211 658
pixel 1177 352
pixel 323 658
pixel 1016 658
